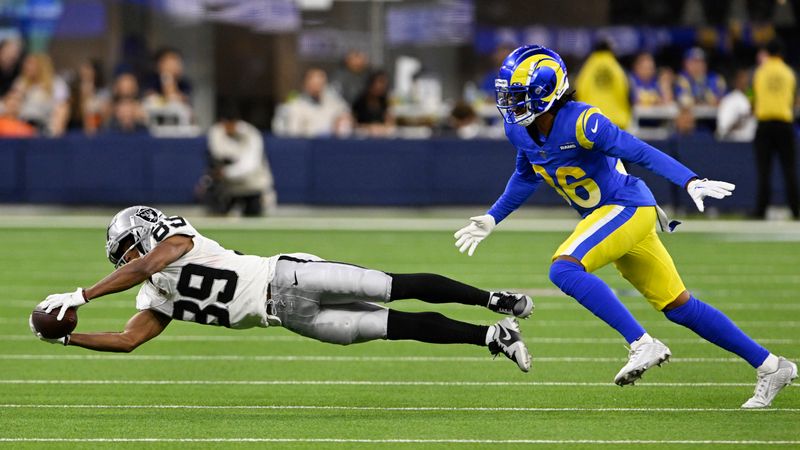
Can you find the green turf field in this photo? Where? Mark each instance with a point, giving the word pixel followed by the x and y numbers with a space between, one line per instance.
pixel 199 386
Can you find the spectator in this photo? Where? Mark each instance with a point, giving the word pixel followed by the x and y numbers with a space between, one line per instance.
pixel 774 90
pixel 317 111
pixel 695 85
pixel 464 121
pixel 126 85
pixel 168 85
pixel 603 83
pixel 685 122
pixel 45 96
pixel 90 98
pixel 371 108
pixel 127 117
pixel 735 121
pixel 647 86
pixel 350 79
pixel 10 124
pixel 10 63
pixel 240 173
pixel 167 95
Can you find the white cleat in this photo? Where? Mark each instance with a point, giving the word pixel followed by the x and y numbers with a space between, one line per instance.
pixel 645 353
pixel 508 341
pixel 769 384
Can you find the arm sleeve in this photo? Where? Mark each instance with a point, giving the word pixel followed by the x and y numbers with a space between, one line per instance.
pixel 521 185
pixel 595 131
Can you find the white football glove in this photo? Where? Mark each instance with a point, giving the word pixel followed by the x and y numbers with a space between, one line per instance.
pixel 65 301
pixel 62 340
pixel 700 189
pixel 471 235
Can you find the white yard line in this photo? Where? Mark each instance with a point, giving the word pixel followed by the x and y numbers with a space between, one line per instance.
pixel 561 304
pixel 588 323
pixel 529 340
pixel 323 358
pixel 368 383
pixel 410 441
pixel 390 408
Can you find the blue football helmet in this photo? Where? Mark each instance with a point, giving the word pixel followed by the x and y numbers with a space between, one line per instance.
pixel 530 80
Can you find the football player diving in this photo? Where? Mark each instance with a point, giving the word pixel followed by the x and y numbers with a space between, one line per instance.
pixel 576 150
pixel 189 277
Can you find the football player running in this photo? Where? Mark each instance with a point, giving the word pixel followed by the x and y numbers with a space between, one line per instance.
pixel 576 150
pixel 189 277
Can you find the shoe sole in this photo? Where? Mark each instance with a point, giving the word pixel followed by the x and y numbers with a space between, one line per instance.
pixel 524 366
pixel 634 375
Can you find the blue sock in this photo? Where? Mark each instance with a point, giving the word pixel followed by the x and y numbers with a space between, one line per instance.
pixel 715 327
pixel 596 296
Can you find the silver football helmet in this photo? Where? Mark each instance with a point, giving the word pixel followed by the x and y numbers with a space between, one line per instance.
pixel 130 228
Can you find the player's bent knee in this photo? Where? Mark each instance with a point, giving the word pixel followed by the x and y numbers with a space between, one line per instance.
pixel 562 273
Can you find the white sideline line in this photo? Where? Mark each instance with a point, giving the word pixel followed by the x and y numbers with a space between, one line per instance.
pixel 408 441
pixel 767 231
pixel 320 358
pixel 529 340
pixel 391 408
pixel 369 383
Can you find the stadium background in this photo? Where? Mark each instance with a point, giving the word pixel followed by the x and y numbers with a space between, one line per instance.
pixel 389 197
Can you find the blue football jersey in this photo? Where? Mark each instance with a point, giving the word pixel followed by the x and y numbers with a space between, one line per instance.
pixel 580 159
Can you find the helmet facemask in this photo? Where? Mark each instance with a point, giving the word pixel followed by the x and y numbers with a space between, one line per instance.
pixel 514 103
pixel 117 249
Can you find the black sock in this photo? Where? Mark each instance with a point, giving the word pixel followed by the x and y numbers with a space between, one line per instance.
pixel 433 328
pixel 433 288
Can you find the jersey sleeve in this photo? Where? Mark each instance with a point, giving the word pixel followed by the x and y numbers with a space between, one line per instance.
pixel 149 297
pixel 594 131
pixel 173 226
pixel 520 186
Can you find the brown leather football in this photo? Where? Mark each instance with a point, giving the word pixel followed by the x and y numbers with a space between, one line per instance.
pixel 50 327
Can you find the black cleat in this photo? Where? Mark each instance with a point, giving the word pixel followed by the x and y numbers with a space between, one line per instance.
pixel 518 305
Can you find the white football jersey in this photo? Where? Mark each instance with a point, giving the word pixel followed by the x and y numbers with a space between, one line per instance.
pixel 210 284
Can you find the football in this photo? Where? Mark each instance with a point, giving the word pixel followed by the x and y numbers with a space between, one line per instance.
pixel 50 327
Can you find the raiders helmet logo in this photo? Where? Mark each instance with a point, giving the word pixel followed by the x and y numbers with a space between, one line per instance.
pixel 148 214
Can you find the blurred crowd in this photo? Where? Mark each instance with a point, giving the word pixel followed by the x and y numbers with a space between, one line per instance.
pixel 36 100
pixel 359 100
pixel 647 99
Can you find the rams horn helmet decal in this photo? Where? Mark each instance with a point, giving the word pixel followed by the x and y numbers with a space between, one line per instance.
pixel 530 80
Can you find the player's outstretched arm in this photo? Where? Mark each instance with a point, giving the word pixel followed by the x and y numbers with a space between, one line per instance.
pixel 124 278
pixel 142 327
pixel 140 269
pixel 520 186
pixel 611 140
